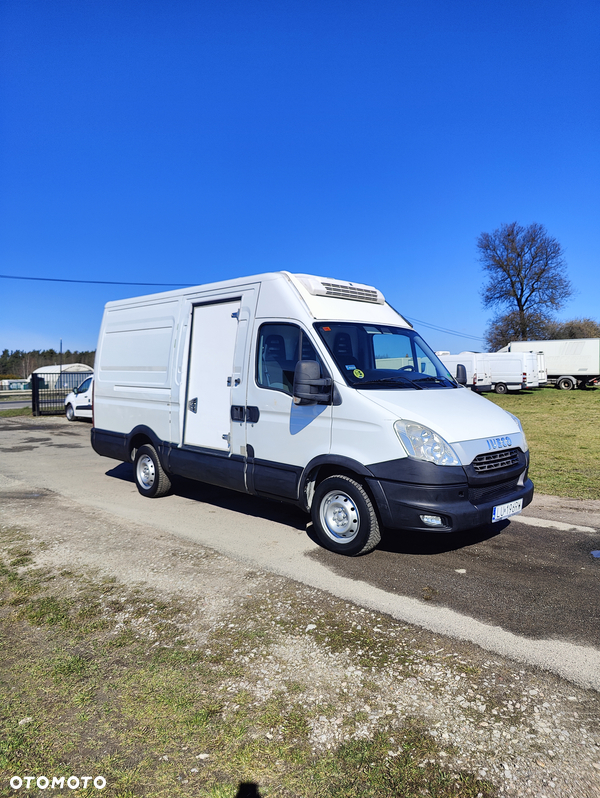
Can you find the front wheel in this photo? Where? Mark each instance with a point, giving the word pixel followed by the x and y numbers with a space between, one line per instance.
pixel 70 413
pixel 344 517
pixel 151 479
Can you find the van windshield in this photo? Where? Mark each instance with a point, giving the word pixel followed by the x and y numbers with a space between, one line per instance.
pixel 382 357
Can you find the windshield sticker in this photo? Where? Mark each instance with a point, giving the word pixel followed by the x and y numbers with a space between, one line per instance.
pixel 358 373
pixel 350 368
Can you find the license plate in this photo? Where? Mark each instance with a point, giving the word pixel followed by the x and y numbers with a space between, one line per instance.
pixel 506 510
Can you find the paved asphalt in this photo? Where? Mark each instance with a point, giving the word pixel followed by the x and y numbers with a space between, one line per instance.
pixel 530 580
pixel 525 588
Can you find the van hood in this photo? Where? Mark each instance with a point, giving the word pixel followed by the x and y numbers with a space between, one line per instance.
pixel 457 414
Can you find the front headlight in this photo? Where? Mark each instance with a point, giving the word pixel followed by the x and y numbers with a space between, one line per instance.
pixel 425 444
pixel 525 444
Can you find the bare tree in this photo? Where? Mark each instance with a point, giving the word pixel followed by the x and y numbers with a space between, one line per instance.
pixel 513 327
pixel 573 328
pixel 526 277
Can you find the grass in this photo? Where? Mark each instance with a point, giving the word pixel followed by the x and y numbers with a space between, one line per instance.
pixel 563 432
pixel 14 411
pixel 98 679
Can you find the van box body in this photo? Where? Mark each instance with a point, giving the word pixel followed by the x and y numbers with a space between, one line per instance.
pixel 206 376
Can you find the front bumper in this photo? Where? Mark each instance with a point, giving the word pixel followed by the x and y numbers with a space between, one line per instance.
pixel 462 498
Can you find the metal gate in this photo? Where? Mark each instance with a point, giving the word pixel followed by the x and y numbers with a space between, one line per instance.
pixel 49 390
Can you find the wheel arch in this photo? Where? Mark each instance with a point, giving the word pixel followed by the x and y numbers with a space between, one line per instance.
pixel 564 378
pixel 323 466
pixel 138 437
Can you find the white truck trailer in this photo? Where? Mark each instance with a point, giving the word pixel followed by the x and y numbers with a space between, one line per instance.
pixel 570 363
pixel 309 390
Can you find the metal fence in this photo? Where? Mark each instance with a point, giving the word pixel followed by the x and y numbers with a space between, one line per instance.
pixel 48 391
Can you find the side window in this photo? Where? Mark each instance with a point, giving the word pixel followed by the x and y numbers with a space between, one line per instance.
pixel 85 386
pixel 280 347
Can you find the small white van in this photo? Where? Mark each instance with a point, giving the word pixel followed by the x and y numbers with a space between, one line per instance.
pixel 512 371
pixel 78 403
pixel 309 390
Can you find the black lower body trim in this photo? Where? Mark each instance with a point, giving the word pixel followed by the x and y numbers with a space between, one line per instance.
pixel 216 468
pixel 275 479
pixel 110 444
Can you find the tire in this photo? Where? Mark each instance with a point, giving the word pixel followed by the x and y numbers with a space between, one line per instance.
pixel 565 384
pixel 151 480
pixel 344 517
pixel 500 388
pixel 70 413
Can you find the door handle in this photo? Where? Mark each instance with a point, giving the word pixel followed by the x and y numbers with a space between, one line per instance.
pixel 238 413
pixel 252 414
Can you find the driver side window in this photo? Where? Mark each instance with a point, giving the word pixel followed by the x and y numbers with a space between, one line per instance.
pixel 280 347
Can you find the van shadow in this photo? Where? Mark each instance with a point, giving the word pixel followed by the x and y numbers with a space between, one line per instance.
pixel 394 541
pixel 248 789
pixel 254 506
pixel 428 543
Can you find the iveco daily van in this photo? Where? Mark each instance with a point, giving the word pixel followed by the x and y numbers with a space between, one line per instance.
pixel 309 390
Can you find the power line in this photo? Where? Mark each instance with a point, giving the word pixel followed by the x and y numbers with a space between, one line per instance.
pixel 443 329
pixel 91 282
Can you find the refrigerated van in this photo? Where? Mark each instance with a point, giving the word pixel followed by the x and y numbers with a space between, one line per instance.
pixel 309 390
pixel 477 364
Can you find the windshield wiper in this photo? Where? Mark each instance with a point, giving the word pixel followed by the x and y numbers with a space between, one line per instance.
pixel 442 380
pixel 406 383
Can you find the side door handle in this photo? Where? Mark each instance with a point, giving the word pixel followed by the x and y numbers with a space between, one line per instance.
pixel 252 414
pixel 238 413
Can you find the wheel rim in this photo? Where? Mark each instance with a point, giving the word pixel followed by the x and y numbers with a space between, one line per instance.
pixel 146 472
pixel 339 516
pixel 70 413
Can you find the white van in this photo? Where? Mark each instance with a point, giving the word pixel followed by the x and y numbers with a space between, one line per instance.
pixel 477 364
pixel 309 390
pixel 512 371
pixel 78 403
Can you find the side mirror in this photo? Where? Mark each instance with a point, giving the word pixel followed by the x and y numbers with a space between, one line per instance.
pixel 75 391
pixel 308 384
pixel 461 374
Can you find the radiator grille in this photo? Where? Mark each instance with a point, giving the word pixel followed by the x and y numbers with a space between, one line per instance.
pixel 491 492
pixel 492 461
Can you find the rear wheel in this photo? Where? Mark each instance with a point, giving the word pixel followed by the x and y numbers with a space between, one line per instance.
pixel 565 384
pixel 151 479
pixel 500 388
pixel 344 517
pixel 70 413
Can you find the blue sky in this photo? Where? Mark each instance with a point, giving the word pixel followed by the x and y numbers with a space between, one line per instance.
pixel 361 139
